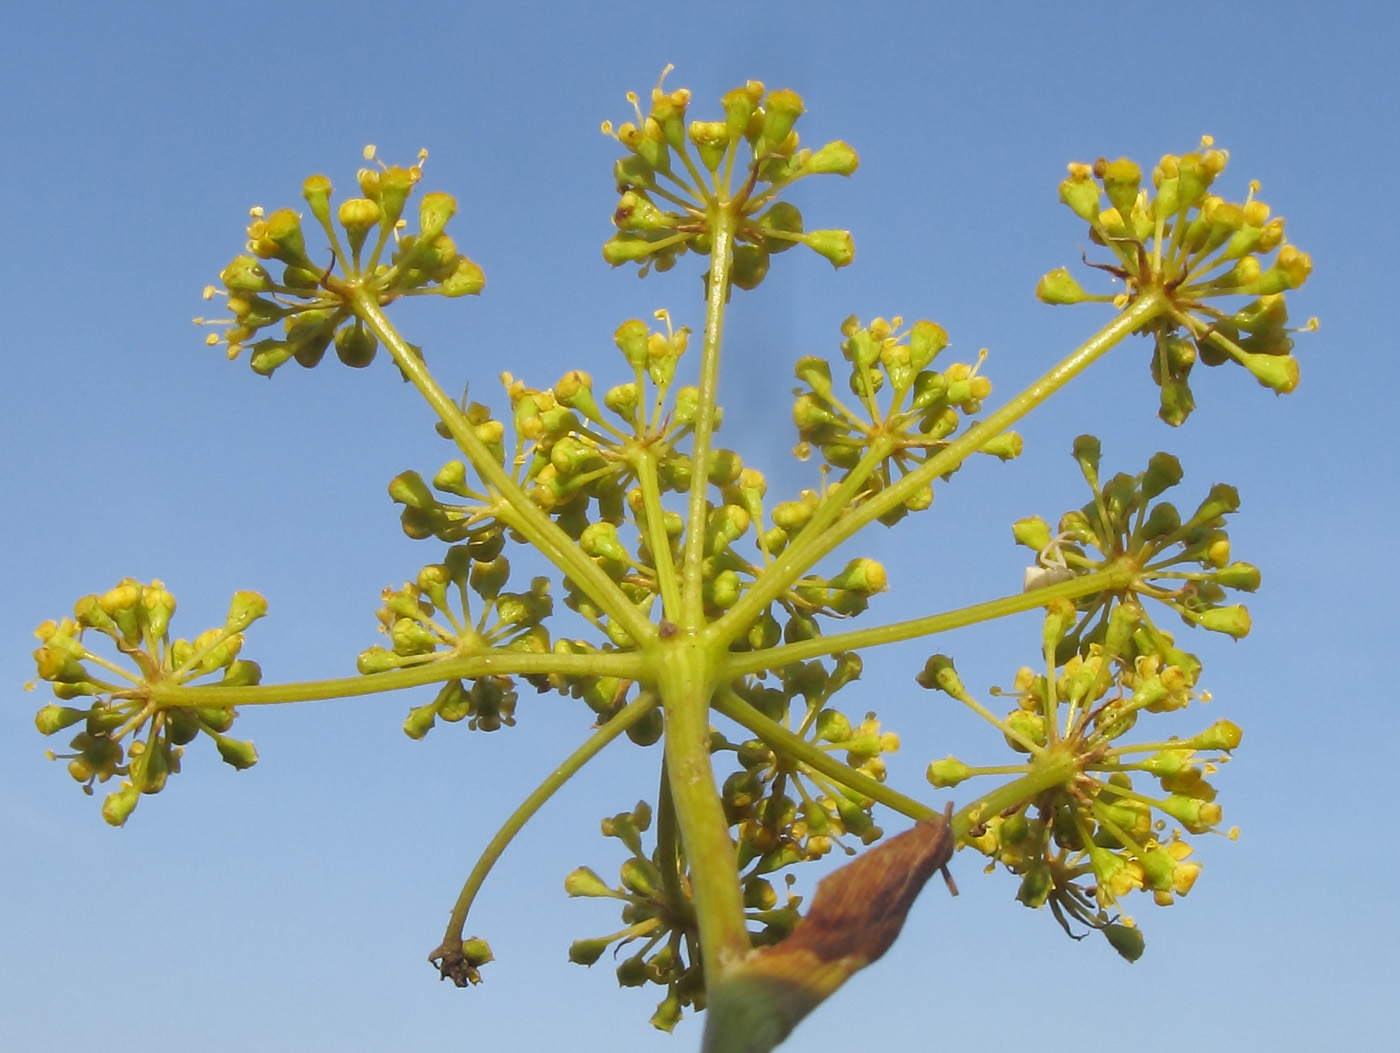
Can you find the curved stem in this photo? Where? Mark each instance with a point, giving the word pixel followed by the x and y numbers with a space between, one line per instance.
pixel 833 523
pixel 541 531
pixel 625 718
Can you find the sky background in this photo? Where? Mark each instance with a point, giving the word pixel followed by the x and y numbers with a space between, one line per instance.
pixel 291 907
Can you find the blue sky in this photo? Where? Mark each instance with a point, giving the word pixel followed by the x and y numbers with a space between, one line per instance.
pixel 292 906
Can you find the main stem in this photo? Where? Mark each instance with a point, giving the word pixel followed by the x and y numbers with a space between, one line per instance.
pixel 685 680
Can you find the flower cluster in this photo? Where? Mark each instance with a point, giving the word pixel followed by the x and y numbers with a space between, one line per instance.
pixel 132 728
pixel 309 305
pixel 658 911
pixel 676 175
pixel 1097 833
pixel 1196 247
pixel 1084 844
pixel 782 810
pixel 431 620
pixel 921 411
pixel 1184 563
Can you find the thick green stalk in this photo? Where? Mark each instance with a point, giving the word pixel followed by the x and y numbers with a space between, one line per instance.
pixel 624 665
pixel 746 662
pixel 624 719
pixel 722 224
pixel 526 516
pixel 832 524
pixel 685 680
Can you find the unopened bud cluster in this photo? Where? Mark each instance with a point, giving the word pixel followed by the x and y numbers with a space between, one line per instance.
pixel 679 172
pixel 306 307
pixel 782 811
pixel 125 733
pixel 660 930
pixel 897 402
pixel 1196 247
pixel 432 619
pixel 1183 561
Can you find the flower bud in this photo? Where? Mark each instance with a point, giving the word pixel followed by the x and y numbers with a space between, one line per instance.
pixel 586 952
pixel 1032 532
pixel 241 673
pixel 1197 816
pixel 640 877
pixel 750 266
pixel 123 605
pixel 358 215
pixel 865 577
pixel 939 673
pixel 466 279
pixel 1006 446
pixel 1121 180
pixel 355 346
pixel 836 158
pixel 420 720
pixel 1222 735
pixel 1059 287
pixel 583 882
pixel 119 805
pixel 1126 940
pixel 648 729
pixel 53 718
pixel 781 109
pixel 1036 886
pixel 1233 620
pixel 245 608
pixel 834 245
pixel 1024 730
pixel 237 754
pixel 1081 193
pixel 947 772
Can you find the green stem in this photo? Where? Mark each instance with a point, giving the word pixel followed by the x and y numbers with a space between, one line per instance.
pixel 686 687
pixel 624 665
pixel 657 539
pixel 722 224
pixel 625 718
pixel 527 517
pixel 743 663
pixel 834 522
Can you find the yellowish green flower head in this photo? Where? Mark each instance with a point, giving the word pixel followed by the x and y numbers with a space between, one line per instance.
pixel 1198 248
pixel 130 731
pixel 305 309
pixel 679 173
pixel 1105 831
